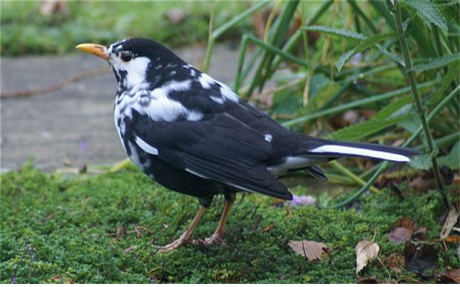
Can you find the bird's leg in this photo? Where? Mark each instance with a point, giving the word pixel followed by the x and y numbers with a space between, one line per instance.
pixel 185 237
pixel 217 236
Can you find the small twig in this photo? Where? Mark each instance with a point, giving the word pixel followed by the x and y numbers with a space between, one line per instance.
pixel 54 87
pixel 13 278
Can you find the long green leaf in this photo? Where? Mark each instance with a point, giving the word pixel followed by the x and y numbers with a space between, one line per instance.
pixel 436 63
pixel 335 31
pixel 355 104
pixel 365 44
pixel 428 11
pixel 364 129
pixel 388 116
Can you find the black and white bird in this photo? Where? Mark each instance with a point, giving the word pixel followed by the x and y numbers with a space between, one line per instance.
pixel 194 135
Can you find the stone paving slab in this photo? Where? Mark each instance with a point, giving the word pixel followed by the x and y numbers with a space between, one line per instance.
pixel 72 126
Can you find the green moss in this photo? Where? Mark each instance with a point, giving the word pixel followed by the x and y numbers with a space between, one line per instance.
pixel 101 229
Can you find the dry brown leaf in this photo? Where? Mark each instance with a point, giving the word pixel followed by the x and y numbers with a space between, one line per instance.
pixel 365 252
pixel 311 250
pixel 451 220
pixel 422 185
pixel 454 275
pixel 395 262
pixel 420 257
pixel 402 230
pixel 400 234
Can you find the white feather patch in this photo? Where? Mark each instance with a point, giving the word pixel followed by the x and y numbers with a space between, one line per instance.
pixel 294 162
pixel 145 146
pixel 268 138
pixel 206 81
pixel 346 150
pixel 228 93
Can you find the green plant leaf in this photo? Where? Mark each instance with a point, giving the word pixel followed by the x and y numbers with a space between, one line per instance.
pixel 335 31
pixel 365 44
pixel 388 116
pixel 422 161
pixel 428 11
pixel 411 123
pixel 452 160
pixel 436 63
pixel 452 75
pixel 361 130
pixel 394 109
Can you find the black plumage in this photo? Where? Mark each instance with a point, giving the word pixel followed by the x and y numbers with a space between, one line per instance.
pixel 193 135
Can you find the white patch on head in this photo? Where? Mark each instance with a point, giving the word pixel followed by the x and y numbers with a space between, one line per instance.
pixel 206 81
pixel 346 150
pixel 136 71
pixel 145 146
pixel 268 138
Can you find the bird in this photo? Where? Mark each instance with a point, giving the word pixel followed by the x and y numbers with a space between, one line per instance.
pixel 192 134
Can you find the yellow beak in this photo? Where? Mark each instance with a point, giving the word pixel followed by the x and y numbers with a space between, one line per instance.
pixel 95 49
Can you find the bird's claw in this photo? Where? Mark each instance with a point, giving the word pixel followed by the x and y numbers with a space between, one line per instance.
pixel 173 245
pixel 213 240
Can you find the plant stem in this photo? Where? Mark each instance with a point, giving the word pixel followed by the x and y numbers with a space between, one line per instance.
pixel 351 175
pixel 418 103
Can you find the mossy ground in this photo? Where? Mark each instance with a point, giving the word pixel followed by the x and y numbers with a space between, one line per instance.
pixel 100 229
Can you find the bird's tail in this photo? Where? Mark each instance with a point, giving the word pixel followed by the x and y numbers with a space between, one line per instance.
pixel 337 149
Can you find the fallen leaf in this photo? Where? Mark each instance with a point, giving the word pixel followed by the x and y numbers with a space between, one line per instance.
pixel 402 230
pixel 311 250
pixel 370 280
pixel 451 220
pixel 365 252
pixel 420 257
pixel 400 234
pixel 395 263
pixel 374 280
pixel 451 276
pixel 421 184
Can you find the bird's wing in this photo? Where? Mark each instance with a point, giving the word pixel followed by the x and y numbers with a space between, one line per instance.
pixel 220 148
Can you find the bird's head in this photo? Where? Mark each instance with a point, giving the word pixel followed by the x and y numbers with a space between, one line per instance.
pixel 136 62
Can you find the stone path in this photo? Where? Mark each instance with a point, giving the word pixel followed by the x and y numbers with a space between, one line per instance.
pixel 73 126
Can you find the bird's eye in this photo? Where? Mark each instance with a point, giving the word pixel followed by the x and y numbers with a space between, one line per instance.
pixel 126 56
